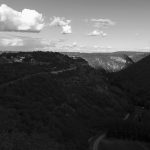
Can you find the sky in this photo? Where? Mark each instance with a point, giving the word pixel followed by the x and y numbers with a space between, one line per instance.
pixel 75 25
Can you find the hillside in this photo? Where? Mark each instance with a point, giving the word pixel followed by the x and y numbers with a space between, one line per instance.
pixel 137 73
pixel 52 97
pixel 111 62
pixel 134 81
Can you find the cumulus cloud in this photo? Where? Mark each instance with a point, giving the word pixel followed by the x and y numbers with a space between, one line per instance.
pixel 103 23
pixel 99 25
pixel 74 44
pixel 25 21
pixel 63 23
pixel 97 33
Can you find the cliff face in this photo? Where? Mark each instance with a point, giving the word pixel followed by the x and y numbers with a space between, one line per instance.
pixel 111 62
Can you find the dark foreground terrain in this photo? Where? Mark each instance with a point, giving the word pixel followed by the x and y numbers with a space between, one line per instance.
pixel 49 101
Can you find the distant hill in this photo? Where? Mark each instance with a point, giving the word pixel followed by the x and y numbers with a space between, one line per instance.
pixel 111 62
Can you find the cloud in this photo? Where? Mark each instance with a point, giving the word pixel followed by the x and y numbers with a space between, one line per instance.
pixel 30 42
pixel 25 21
pixel 74 44
pixel 11 42
pixel 27 43
pixel 83 48
pixel 23 41
pixel 97 33
pixel 66 29
pixel 99 25
pixel 102 23
pixel 63 24
pixel 137 34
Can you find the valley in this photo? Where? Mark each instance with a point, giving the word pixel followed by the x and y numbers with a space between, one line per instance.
pixel 48 96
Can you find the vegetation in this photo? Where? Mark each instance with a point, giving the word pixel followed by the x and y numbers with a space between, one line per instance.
pixel 40 109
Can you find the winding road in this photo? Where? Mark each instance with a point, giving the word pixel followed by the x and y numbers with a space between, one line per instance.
pixel 101 143
pixel 97 141
pixel 35 74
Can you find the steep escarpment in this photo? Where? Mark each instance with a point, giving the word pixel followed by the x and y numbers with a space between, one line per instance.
pixel 109 61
